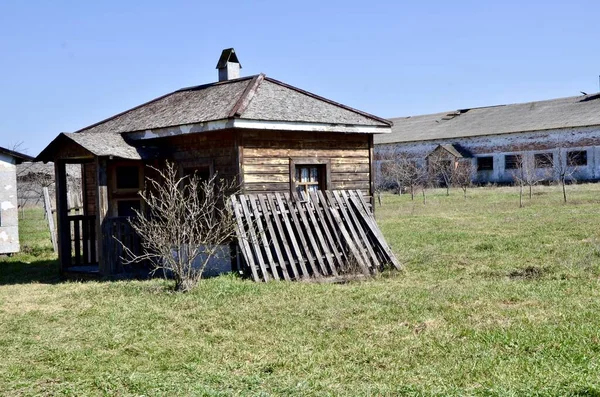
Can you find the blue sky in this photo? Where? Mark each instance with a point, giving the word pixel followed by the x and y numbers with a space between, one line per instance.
pixel 67 64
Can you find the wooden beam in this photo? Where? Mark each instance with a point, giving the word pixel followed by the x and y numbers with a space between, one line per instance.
pixel 62 215
pixel 104 267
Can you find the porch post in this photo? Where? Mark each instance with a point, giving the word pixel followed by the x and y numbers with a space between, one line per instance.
pixel 101 211
pixel 62 215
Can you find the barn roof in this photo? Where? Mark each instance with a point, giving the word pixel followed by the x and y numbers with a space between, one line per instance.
pixel 252 98
pixel 20 157
pixel 578 111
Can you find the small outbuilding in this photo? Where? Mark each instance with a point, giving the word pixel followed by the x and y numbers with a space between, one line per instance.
pixel 269 135
pixel 9 215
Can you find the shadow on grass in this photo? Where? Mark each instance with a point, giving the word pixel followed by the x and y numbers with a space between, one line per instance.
pixel 38 271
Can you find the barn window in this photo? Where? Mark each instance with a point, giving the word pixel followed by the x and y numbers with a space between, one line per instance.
pixel 128 207
pixel 543 160
pixel 576 157
pixel 128 177
pixel 309 178
pixel 512 161
pixel 485 163
pixel 309 174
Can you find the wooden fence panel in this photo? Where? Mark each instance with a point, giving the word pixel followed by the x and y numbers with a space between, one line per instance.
pixel 314 235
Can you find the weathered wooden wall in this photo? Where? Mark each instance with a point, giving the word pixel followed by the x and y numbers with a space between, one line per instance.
pixel 497 146
pixel 89 188
pixel 265 158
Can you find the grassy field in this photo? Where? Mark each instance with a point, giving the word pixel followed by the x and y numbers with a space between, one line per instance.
pixel 495 300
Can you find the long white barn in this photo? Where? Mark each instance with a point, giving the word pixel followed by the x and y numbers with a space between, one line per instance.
pixel 565 130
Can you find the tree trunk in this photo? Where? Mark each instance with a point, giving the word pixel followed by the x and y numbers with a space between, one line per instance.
pixel 379 198
pixel 424 201
pixel 412 193
pixel 520 196
pixel 530 192
pixel 447 189
pixel 564 189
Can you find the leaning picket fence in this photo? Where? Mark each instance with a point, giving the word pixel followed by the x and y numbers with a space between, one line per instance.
pixel 319 235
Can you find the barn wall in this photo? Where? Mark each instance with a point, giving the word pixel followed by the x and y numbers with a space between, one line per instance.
pixel 526 143
pixel 9 220
pixel 266 155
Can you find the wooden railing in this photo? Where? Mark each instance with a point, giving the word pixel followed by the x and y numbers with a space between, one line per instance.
pixel 83 240
pixel 116 233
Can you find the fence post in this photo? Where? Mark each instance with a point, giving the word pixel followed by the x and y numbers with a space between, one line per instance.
pixel 50 217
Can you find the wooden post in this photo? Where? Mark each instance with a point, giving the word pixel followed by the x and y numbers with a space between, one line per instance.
pixel 48 208
pixel 372 173
pixel 62 216
pixel 101 211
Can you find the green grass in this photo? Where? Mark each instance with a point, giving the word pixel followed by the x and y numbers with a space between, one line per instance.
pixel 495 300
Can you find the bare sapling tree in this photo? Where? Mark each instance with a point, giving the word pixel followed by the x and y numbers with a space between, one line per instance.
pixel 405 173
pixel 441 169
pixel 463 176
pixel 519 168
pixel 565 168
pixel 186 223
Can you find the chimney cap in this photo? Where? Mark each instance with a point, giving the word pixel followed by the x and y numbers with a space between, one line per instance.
pixel 228 55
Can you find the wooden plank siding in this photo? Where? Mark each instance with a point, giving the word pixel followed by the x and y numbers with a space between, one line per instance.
pixel 216 149
pixel 266 159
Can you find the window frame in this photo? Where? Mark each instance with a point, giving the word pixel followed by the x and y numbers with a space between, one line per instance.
pixel 491 159
pixel 325 177
pixel 543 160
pixel 573 155
pixel 514 163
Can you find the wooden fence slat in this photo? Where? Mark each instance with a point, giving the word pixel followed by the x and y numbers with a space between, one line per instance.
pixel 291 204
pixel 263 236
pixel 351 228
pixel 77 240
pixel 332 225
pixel 349 241
pixel 317 226
pixel 370 222
pixel 243 238
pixel 361 232
pixel 319 210
pixel 274 236
pixel 282 235
pixel 292 235
pixel 254 238
pixel 300 204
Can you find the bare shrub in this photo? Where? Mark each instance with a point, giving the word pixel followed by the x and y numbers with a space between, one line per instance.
pixel 404 173
pixel 185 224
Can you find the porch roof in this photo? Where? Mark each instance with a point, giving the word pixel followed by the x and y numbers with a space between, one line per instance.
pixel 94 144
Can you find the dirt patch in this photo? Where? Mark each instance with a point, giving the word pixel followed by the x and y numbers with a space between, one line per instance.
pixel 528 273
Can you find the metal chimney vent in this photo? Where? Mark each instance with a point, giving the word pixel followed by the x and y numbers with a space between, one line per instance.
pixel 229 66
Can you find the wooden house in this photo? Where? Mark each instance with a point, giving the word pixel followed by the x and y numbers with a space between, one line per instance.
pixel 270 135
pixel 9 217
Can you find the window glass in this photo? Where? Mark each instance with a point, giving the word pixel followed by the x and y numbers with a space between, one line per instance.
pixel 309 178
